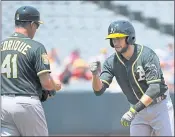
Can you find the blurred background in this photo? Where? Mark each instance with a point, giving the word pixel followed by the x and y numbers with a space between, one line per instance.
pixel 74 35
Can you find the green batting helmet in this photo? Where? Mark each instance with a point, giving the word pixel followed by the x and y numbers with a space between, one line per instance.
pixel 120 29
pixel 28 13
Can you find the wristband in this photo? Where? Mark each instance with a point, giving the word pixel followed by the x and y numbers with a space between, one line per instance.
pixel 139 106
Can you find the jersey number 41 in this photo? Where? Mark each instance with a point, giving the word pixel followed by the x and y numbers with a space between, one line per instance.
pixel 9 66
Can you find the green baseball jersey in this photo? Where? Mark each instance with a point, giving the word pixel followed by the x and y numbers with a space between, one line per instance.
pixel 134 75
pixel 22 60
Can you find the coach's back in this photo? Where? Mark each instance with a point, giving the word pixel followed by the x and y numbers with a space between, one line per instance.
pixel 21 63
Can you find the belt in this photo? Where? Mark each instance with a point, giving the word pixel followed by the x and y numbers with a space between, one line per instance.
pixel 159 99
pixel 17 95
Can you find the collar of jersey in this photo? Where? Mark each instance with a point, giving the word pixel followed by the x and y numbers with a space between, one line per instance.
pixel 133 57
pixel 19 35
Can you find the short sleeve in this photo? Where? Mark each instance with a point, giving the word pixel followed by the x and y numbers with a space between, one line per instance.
pixel 42 64
pixel 106 75
pixel 152 68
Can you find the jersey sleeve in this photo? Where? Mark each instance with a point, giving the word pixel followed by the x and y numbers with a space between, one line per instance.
pixel 106 75
pixel 42 64
pixel 152 68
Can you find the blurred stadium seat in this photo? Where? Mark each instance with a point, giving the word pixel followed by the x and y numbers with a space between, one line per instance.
pixel 83 25
pixel 73 23
pixel 160 9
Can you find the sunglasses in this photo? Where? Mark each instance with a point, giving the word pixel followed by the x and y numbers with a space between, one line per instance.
pixel 37 24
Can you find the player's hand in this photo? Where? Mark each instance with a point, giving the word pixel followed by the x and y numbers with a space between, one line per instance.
pixel 128 117
pixel 51 93
pixel 57 86
pixel 57 83
pixel 95 67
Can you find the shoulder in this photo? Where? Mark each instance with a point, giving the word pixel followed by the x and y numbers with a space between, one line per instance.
pixel 146 51
pixel 109 62
pixel 36 44
pixel 110 59
pixel 148 54
pixel 2 41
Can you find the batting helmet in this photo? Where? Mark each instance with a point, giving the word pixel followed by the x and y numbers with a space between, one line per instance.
pixel 120 29
pixel 28 13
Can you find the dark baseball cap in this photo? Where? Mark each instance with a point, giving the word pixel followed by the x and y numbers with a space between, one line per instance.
pixel 28 13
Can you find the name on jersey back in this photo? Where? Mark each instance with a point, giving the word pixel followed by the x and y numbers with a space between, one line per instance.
pixel 15 45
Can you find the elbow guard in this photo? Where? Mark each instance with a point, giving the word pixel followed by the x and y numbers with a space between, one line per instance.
pixel 153 90
pixel 98 93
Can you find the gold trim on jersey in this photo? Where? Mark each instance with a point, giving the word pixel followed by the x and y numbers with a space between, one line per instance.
pixel 105 81
pixel 120 59
pixel 43 71
pixel 127 72
pixel 152 81
pixel 133 70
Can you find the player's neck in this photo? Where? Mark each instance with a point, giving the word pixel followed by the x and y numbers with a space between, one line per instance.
pixel 128 54
pixel 22 31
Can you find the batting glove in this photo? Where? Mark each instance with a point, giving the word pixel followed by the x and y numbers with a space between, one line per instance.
pixel 128 117
pixel 95 67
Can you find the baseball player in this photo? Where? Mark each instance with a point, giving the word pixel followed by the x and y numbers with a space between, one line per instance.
pixel 137 71
pixel 25 72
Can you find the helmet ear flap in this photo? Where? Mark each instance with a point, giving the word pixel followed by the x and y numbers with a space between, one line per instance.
pixel 127 40
pixel 130 40
pixel 112 45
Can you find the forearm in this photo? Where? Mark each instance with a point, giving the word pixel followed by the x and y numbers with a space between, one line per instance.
pixel 55 85
pixel 147 98
pixel 150 94
pixel 96 83
pixel 47 83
